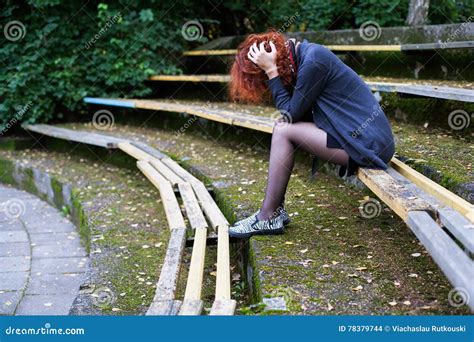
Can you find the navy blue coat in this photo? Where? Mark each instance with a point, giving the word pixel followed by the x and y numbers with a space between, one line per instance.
pixel 341 104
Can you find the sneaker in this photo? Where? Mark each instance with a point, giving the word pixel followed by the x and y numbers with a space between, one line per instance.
pixel 281 212
pixel 253 226
pixel 284 214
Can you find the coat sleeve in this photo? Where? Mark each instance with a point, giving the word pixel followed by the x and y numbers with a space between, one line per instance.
pixel 310 82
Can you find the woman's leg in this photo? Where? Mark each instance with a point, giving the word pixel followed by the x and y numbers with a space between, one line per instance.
pixel 286 138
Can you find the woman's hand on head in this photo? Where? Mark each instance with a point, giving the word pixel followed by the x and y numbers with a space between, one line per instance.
pixel 263 59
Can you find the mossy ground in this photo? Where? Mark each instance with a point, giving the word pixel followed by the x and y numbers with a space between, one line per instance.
pixel 330 260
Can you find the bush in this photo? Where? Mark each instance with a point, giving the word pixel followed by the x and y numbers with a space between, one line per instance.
pixel 70 51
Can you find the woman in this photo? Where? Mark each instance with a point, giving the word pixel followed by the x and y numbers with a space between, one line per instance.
pixel 347 126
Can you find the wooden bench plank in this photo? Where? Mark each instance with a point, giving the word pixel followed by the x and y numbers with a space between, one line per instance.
pixel 148 149
pixel 191 78
pixel 76 136
pixel 193 210
pixel 167 283
pixel 164 308
pixel 433 188
pixel 180 171
pixel 166 172
pixel 168 198
pixel 210 208
pixel 223 264
pixel 457 224
pixel 191 308
pixel 455 264
pixel 393 193
pixel 135 152
pixel 223 307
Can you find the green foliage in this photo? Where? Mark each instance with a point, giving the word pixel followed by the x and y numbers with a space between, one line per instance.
pixel 71 50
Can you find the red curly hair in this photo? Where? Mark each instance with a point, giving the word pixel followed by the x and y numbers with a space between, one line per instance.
pixel 248 81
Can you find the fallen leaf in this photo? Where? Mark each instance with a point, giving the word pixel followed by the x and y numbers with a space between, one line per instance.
pixel 416 255
pixel 304 250
pixel 357 288
pixel 392 303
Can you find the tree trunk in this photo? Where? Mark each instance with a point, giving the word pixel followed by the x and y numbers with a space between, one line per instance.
pixel 418 12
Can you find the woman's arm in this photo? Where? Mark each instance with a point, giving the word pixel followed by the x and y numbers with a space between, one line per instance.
pixel 310 81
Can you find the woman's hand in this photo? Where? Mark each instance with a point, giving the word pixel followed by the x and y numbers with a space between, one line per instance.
pixel 263 59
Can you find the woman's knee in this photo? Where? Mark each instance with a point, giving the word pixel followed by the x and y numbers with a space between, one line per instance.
pixel 281 132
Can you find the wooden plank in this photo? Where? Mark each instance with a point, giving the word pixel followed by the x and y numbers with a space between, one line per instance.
pixel 210 52
pixel 455 264
pixel 433 188
pixel 196 267
pixel 167 283
pixel 166 172
pixel 193 210
pixel 392 192
pixel 364 47
pixel 210 208
pixel 148 149
pixel 438 46
pixel 227 52
pixel 223 307
pixel 135 152
pixel 76 136
pixel 168 198
pixel 180 171
pixel 191 78
pixel 191 308
pixel 164 308
pixel 223 291
pixel 459 226
pixel 448 93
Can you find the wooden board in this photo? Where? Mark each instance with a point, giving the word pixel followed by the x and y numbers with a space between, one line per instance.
pixel 191 204
pixel 148 149
pixel 394 193
pixel 454 263
pixel 223 291
pixel 448 93
pixel 210 208
pixel 167 283
pixel 374 48
pixel 76 136
pixel 223 307
pixel 191 308
pixel 191 78
pixel 135 152
pixel 433 188
pixel 196 267
pixel 180 171
pixel 164 308
pixel 166 172
pixel 168 198
pixel 459 226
